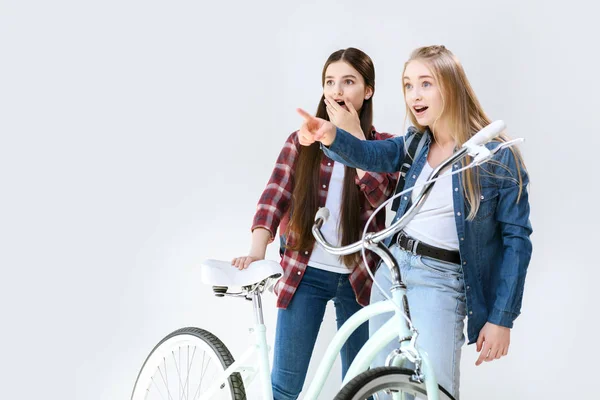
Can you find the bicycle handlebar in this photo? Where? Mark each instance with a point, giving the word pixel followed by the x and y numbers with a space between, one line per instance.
pixel 486 134
pixel 322 214
pixel 474 147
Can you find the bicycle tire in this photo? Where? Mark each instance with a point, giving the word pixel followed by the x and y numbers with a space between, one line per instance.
pixel 377 380
pixel 199 339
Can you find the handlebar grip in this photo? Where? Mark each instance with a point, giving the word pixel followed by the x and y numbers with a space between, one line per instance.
pixel 322 213
pixel 486 134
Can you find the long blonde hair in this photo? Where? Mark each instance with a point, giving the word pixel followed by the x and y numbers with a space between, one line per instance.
pixel 462 110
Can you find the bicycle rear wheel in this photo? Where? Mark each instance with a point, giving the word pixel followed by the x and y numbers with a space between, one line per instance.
pixel 382 382
pixel 183 365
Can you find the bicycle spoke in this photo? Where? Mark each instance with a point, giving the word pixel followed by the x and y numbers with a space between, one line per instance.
pixel 165 381
pixel 187 380
pixel 189 362
pixel 197 393
pixel 178 368
pixel 166 376
pixel 161 396
pixel 202 369
pixel 201 377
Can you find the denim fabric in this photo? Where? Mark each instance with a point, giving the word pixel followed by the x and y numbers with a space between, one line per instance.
pixel 298 326
pixel 436 299
pixel 495 248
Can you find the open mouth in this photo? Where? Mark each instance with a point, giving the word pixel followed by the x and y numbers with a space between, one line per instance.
pixel 342 103
pixel 420 110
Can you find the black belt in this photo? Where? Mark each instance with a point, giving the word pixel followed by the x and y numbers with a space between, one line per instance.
pixel 416 247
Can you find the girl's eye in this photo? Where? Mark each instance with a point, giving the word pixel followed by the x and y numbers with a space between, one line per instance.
pixel 329 83
pixel 349 82
pixel 426 84
pixel 407 86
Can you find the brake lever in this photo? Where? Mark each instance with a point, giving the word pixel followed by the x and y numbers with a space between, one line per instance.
pixel 507 144
pixel 482 154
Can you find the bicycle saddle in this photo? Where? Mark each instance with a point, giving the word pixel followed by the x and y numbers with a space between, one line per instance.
pixel 222 273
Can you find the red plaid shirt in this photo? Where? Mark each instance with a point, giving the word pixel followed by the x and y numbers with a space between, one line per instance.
pixel 273 210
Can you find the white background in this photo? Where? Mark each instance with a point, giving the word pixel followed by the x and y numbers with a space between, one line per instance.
pixel 137 136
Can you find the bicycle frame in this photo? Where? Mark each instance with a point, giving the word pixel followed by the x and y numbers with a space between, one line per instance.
pixel 396 327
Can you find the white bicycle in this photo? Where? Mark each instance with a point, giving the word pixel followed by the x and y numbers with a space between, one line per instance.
pixel 192 363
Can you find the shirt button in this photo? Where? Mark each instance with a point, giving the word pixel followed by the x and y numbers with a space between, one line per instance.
pixel 306 252
pixel 414 177
pixel 405 198
pixel 482 197
pixel 455 165
pixel 464 263
pixel 468 287
pixel 456 189
pixel 329 164
pixel 470 312
pixel 458 213
pixel 324 186
pixel 462 238
pixel 299 272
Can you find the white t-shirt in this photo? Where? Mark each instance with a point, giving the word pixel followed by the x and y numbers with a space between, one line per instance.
pixel 319 258
pixel 434 224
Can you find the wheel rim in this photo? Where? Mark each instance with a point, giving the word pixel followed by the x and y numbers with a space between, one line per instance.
pixel 182 367
pixel 381 387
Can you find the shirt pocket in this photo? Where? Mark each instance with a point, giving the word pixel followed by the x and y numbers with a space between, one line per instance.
pixel 487 203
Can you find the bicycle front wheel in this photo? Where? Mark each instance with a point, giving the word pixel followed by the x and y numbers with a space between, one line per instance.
pixel 184 365
pixel 383 382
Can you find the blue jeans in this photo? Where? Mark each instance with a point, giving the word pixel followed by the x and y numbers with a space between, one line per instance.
pixel 437 303
pixel 298 326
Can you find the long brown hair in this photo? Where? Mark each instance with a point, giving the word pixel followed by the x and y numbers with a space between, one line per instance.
pixel 463 111
pixel 305 196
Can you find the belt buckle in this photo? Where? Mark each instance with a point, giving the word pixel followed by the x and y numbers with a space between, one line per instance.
pixel 411 244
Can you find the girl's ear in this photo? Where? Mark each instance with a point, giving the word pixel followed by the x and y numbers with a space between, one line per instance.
pixel 368 93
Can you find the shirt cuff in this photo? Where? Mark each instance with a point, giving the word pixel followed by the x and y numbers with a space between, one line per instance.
pixel 272 235
pixel 502 318
pixel 369 182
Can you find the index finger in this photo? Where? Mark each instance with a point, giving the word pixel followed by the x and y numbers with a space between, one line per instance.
pixel 332 103
pixel 305 115
pixel 350 106
pixel 483 354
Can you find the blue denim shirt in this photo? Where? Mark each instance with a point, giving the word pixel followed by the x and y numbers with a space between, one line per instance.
pixel 495 248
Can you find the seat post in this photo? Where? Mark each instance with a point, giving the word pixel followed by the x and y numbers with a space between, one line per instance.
pixel 257 305
pixel 262 347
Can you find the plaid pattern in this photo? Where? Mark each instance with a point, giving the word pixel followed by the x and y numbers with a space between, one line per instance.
pixel 273 212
